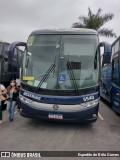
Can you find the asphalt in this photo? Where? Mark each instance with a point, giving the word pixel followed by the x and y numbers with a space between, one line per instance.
pixel 35 135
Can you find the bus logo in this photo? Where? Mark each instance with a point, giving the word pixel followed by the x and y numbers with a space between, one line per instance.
pixel 55 107
pixel 32 96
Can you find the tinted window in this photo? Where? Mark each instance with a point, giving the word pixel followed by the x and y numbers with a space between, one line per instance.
pixel 1 47
pixel 15 53
pixel 20 57
pixel 116 71
pixel 6 46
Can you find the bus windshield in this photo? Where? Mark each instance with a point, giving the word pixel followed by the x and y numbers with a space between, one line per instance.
pixel 61 62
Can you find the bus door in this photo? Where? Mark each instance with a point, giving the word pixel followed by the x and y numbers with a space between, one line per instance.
pixel 115 94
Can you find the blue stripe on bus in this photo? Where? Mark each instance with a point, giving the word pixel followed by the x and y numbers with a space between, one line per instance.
pixel 52 99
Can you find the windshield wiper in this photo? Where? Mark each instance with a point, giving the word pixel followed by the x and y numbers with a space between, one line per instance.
pixel 45 77
pixel 69 66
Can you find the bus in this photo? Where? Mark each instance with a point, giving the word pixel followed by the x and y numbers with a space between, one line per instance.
pixel 9 68
pixel 110 77
pixel 60 75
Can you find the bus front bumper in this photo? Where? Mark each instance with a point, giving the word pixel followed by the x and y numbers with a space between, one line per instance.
pixel 86 115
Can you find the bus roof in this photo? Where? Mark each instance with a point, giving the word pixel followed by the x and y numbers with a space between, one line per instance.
pixel 65 31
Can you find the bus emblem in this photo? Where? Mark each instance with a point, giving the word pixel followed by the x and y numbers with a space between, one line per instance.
pixel 55 107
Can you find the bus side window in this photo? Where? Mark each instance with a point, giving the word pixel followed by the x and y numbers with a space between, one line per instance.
pixel 5 64
pixel 1 47
pixel 5 50
pixel 116 71
pixel 15 54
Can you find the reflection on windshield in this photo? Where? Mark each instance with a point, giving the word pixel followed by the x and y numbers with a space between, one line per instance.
pixel 71 63
pixel 47 74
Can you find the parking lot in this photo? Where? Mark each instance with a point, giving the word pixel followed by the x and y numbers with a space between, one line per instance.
pixel 34 135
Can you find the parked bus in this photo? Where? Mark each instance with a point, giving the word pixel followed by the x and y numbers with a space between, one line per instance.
pixel 110 77
pixel 60 75
pixel 9 68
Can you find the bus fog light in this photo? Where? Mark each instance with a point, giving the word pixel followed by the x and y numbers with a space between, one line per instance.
pixel 94 115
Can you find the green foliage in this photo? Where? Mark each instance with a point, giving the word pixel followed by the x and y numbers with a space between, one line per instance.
pixel 96 21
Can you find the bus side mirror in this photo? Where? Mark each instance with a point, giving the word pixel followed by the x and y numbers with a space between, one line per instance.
pixel 107 52
pixel 12 48
pixel 28 59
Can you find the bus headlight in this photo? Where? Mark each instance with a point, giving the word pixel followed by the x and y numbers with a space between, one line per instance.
pixel 90 103
pixel 24 99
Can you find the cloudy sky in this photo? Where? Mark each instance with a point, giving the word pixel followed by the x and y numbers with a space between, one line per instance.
pixel 18 18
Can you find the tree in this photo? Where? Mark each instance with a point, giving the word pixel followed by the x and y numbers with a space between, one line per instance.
pixel 96 21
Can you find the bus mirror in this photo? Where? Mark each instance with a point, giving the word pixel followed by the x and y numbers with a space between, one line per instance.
pixel 29 56
pixel 12 48
pixel 107 52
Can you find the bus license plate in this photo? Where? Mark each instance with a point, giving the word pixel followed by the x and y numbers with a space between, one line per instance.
pixel 55 116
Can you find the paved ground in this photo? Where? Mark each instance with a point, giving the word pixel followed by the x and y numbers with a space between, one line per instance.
pixel 32 135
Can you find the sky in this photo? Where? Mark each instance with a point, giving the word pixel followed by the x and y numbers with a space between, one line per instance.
pixel 18 18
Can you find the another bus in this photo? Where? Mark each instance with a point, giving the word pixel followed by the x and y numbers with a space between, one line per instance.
pixel 60 75
pixel 9 68
pixel 110 77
